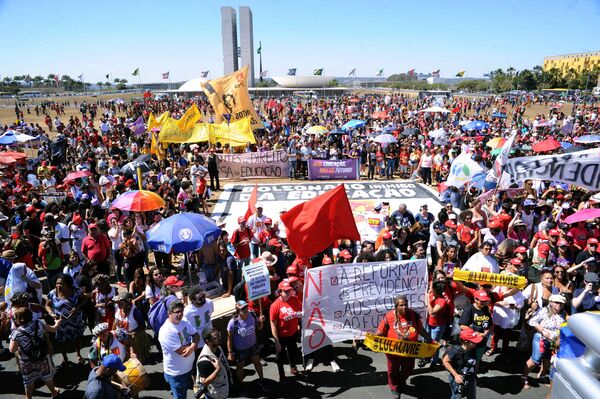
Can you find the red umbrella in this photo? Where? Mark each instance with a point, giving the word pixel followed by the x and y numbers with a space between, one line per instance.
pixel 546 145
pixel 379 115
pixel 78 175
pixel 14 154
pixel 7 160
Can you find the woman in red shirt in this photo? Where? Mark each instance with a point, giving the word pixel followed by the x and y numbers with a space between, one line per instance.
pixel 285 314
pixel 401 323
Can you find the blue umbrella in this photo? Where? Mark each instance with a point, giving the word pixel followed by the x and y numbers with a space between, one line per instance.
pixel 565 145
pixel 587 139
pixel 182 232
pixel 353 124
pixel 475 125
pixel 8 138
pixel 478 180
pixel 337 131
pixel 498 115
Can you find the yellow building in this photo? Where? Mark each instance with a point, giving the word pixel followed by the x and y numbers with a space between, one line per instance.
pixel 579 62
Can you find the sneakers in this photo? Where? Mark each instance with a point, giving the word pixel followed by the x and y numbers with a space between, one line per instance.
pixel 334 366
pixel 395 394
pixel 263 362
pixel 310 365
pixel 263 386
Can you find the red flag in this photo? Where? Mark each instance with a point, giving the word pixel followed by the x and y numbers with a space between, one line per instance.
pixel 252 202
pixel 314 225
pixel 455 110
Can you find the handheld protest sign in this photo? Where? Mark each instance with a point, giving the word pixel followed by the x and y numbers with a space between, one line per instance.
pixel 505 280
pixel 258 281
pixel 400 347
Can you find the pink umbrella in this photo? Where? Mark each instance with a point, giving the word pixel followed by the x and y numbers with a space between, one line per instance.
pixel 78 175
pixel 583 215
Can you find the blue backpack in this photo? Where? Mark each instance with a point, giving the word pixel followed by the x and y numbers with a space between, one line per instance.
pixel 159 312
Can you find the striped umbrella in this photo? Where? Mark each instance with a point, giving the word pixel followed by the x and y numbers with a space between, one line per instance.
pixel 138 201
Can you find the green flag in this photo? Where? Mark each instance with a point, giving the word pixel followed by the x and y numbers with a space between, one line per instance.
pixel 318 72
pixel 136 72
pixel 380 73
pixel 258 50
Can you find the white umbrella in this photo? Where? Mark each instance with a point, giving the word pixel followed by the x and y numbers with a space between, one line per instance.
pixel 438 133
pixel 385 138
pixel 435 109
pixel 23 138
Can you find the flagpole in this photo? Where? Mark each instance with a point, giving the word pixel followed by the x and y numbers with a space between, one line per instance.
pixel 260 61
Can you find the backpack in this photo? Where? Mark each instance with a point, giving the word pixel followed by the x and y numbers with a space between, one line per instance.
pixel 38 348
pixel 159 312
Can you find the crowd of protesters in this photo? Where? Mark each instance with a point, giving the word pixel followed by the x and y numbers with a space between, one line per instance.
pixel 70 261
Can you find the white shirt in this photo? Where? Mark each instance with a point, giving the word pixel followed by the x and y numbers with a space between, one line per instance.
pixel 480 263
pixel 257 225
pixel 172 337
pixel 199 317
pixel 63 233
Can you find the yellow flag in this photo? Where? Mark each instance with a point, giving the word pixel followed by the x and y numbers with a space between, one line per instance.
pixel 163 118
pixel 156 148
pixel 189 119
pixel 505 280
pixel 400 347
pixel 228 95
pixel 152 122
pixel 236 134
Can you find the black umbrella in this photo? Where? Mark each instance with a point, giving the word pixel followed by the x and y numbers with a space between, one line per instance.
pixel 410 131
pixel 131 167
pixel 143 158
pixel 574 148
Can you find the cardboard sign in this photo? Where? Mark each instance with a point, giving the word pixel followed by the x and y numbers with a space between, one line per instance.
pixel 257 279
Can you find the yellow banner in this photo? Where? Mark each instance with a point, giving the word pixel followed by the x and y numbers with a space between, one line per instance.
pixel 228 95
pixel 152 122
pixel 156 148
pixel 400 347
pixel 235 134
pixel 189 118
pixel 505 280
pixel 163 118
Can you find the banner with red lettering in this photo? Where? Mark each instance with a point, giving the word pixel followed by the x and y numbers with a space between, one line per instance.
pixel 253 165
pixel 347 301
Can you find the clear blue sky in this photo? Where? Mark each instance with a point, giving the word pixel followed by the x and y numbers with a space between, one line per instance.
pixel 96 37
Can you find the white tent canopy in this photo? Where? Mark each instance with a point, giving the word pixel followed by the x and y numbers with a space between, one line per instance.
pixel 435 109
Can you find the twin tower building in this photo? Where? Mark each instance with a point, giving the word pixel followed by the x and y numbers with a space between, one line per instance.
pixel 237 54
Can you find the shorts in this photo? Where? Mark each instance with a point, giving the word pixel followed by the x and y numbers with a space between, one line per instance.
pixel 540 349
pixel 242 354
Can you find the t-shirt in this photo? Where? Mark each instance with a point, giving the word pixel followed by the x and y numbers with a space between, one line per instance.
pixel 99 387
pixel 199 317
pixel 152 292
pixel 405 327
pixel 243 332
pixel 590 301
pixel 462 361
pixel 286 316
pixel 438 319
pixel 480 320
pixel 242 251
pixel 172 337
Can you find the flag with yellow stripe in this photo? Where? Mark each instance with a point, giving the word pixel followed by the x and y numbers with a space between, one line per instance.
pixel 189 118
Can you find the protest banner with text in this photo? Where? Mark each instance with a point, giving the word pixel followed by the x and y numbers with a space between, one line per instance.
pixel 325 169
pixel 252 165
pixel 400 347
pixel 581 168
pixel 346 301
pixel 505 280
pixel 257 279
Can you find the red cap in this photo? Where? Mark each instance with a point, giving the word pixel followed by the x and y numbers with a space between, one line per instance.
pixel 481 295
pixel 516 261
pixel 30 209
pixel 560 196
pixel 241 219
pixel 495 224
pixel 327 260
pixel 268 221
pixel 292 269
pixel 562 242
pixel 467 334
pixel 387 235
pixel 173 281
pixel 285 285
pixel 346 254
pixel 555 232
pixel 129 183
pixel 93 226
pixel 293 279
pixel 77 219
pixel 521 250
pixel 450 224
pixel 592 240
pixel 543 250
pixel 274 242
pixel 302 262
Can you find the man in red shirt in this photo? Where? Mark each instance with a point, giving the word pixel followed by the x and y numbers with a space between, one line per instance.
pixel 96 247
pixel 240 239
pixel 285 314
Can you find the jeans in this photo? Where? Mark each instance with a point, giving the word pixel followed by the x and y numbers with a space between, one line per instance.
pixel 255 250
pixel 179 384
pixel 118 263
pixel 436 332
pixel 288 344
pixel 390 166
pixel 540 349
pixel 293 169
pixel 470 392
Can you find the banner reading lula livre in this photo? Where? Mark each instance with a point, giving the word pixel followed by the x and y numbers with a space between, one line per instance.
pixel 252 165
pixel 325 169
pixel 346 301
pixel 228 95
pixel 581 168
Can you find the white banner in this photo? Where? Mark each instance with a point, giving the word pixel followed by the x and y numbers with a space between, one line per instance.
pixel 257 280
pixel 462 170
pixel 251 165
pixel 346 301
pixel 581 168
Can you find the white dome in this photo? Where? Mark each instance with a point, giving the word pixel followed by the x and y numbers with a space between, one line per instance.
pixel 192 86
pixel 312 81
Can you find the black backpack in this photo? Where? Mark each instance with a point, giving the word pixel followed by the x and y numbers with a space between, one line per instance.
pixel 38 348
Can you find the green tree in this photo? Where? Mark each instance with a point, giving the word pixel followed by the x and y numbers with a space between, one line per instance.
pixel 526 80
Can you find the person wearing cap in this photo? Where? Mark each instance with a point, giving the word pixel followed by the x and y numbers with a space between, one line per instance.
pixel 21 340
pixel 240 239
pixel 478 318
pixel 344 257
pixel 231 274
pixel 388 246
pixel 483 261
pixel 494 234
pixel 580 234
pixel 375 222
pixel 468 234
pixel 213 369
pixel 542 257
pixel 51 256
pixel 32 228
pixel 588 258
pixel 104 343
pixel 546 324
pixel 587 298
pixel 256 223
pixel 401 323
pixel 517 230
pixel 242 343
pixel 6 261
pixel 130 324
pixel 447 238
pixel 284 315
pixel 100 384
pixel 461 363
pixel 96 247
pixel 178 341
